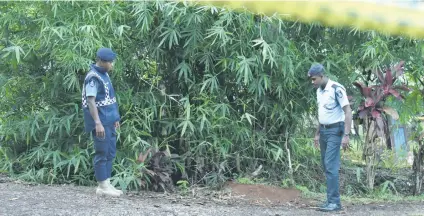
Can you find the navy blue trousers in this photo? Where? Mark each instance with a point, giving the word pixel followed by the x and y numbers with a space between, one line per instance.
pixel 105 151
pixel 330 142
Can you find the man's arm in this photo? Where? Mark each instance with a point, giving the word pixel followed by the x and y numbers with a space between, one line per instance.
pixel 348 119
pixel 316 138
pixel 317 132
pixel 100 130
pixel 91 93
pixel 91 102
pixel 342 99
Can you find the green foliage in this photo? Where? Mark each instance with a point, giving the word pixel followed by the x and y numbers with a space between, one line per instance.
pixel 391 161
pixel 183 185
pixel 245 181
pixel 251 180
pixel 217 87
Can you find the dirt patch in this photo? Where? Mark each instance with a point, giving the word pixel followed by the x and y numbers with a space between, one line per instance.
pixel 265 194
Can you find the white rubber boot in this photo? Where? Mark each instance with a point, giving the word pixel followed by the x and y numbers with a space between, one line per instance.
pixel 104 189
pixel 113 188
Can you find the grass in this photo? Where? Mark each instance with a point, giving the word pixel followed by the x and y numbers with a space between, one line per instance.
pixel 375 197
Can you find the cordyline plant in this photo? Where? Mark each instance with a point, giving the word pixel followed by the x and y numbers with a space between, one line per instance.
pixel 373 111
pixel 374 96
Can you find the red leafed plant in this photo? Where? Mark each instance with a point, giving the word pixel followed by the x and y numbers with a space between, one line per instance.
pixel 374 96
pixel 373 111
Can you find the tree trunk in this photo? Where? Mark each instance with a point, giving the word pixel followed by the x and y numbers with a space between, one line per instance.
pixel 387 132
pixel 370 152
pixel 370 174
pixel 417 167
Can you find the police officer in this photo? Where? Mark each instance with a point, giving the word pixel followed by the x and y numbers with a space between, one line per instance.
pixel 335 118
pixel 101 118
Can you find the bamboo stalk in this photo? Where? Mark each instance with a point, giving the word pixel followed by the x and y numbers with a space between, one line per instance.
pixel 289 158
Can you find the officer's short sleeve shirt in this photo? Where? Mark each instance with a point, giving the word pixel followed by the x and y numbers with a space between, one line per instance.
pixel 91 88
pixel 331 101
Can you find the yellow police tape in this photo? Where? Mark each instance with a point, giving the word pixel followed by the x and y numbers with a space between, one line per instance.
pixel 364 15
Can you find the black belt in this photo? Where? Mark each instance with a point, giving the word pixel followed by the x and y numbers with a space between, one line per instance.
pixel 331 125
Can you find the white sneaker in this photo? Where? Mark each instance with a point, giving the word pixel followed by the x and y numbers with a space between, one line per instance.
pixel 113 188
pixel 104 189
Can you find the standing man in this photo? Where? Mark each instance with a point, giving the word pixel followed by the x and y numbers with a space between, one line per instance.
pixel 101 118
pixel 335 118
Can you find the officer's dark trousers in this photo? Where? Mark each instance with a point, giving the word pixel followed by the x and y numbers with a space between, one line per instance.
pixel 105 151
pixel 330 142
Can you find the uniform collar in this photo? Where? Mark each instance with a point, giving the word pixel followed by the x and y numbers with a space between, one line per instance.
pixel 98 69
pixel 328 86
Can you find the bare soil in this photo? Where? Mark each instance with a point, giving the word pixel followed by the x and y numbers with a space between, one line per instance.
pixel 21 198
pixel 265 195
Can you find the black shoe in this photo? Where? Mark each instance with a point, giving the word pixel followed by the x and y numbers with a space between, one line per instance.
pixel 330 207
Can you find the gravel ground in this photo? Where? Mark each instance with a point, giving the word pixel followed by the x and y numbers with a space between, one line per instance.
pixel 18 198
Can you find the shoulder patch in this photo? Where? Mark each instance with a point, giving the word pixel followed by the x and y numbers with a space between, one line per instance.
pixel 338 89
pixel 92 84
pixel 339 93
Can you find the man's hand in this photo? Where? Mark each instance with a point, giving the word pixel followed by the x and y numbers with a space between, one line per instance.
pixel 100 130
pixel 345 142
pixel 117 124
pixel 316 141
